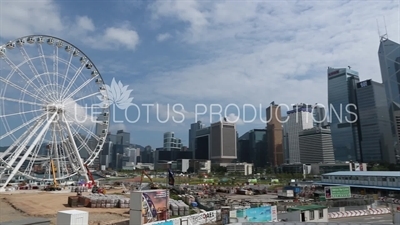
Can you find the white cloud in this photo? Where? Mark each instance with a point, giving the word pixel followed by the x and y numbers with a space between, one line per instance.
pixel 265 51
pixel 232 118
pixel 186 11
pixel 78 114
pixel 121 37
pixel 19 19
pixel 163 37
pixel 85 23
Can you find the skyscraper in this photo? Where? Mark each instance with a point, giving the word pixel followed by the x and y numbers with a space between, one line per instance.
pixel 223 142
pixel 320 117
pixel 172 143
pixel 275 135
pixel 252 147
pixel 194 127
pixel 285 141
pixel 389 60
pixel 316 146
pixel 299 119
pixel 376 136
pixel 202 144
pixel 342 111
pixel 123 138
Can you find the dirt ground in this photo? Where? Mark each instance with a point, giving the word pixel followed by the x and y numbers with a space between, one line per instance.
pixel 21 205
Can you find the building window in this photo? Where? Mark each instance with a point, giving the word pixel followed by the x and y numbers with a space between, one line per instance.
pixel 312 215
pixel 321 213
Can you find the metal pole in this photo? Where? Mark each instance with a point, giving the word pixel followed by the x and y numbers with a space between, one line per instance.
pixel 392 211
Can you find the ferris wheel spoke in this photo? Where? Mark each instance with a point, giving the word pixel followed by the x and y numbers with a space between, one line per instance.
pixel 11 132
pixel 87 96
pixel 84 145
pixel 8 82
pixel 68 149
pixel 55 68
pixel 71 156
pixel 43 60
pixel 22 146
pixel 20 101
pixel 80 88
pixel 21 140
pixel 20 72
pixel 24 141
pixel 32 159
pixel 87 130
pixel 62 149
pixel 21 113
pixel 32 66
pixel 75 149
pixel 67 89
pixel 32 145
pixel 55 149
pixel 69 65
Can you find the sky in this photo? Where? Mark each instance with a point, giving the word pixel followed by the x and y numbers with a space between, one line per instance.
pixel 188 53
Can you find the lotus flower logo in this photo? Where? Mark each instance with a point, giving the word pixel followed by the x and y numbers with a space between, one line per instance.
pixel 118 94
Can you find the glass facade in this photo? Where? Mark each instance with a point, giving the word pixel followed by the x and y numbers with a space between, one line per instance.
pixel 252 148
pixel 376 138
pixel 389 60
pixel 342 99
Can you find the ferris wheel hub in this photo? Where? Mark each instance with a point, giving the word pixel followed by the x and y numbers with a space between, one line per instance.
pixel 55 108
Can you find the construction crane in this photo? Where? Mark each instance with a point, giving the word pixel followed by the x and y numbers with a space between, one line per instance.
pixel 152 184
pixel 95 188
pixel 54 186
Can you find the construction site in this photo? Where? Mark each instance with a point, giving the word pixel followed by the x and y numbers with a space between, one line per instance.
pixel 108 201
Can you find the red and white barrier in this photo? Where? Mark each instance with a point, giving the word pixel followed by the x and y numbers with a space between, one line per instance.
pixel 391 200
pixel 353 213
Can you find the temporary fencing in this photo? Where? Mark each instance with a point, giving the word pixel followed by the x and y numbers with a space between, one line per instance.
pixel 334 215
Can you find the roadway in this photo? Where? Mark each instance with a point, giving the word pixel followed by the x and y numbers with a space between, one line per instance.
pixel 371 219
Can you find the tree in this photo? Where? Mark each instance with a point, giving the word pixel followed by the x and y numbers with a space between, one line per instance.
pixel 219 169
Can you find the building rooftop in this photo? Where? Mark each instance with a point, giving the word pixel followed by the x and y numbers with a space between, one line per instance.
pixel 365 173
pixel 306 208
pixel 359 186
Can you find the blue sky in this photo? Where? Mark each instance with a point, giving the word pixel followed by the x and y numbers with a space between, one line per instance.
pixel 212 52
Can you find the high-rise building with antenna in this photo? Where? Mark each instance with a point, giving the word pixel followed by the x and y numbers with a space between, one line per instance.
pixel 389 60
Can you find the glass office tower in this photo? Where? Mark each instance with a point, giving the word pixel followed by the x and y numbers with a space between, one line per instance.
pixel 389 60
pixel 342 101
pixel 376 136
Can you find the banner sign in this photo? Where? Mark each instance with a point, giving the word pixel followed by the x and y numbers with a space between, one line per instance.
pixel 195 219
pixel 336 192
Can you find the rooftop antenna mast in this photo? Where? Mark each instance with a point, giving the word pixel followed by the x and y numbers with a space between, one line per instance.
pixel 386 33
pixel 383 37
pixel 377 25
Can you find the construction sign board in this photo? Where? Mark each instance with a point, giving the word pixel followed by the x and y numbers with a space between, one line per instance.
pixel 336 192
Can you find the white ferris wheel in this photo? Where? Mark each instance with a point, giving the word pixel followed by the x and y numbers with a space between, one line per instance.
pixel 53 110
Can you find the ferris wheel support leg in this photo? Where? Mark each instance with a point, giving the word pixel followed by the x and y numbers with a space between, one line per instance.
pixel 55 150
pixel 26 137
pixel 39 136
pixel 17 152
pixel 76 151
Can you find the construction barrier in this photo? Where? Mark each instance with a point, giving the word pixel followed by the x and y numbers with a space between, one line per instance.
pixel 390 200
pixel 335 215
